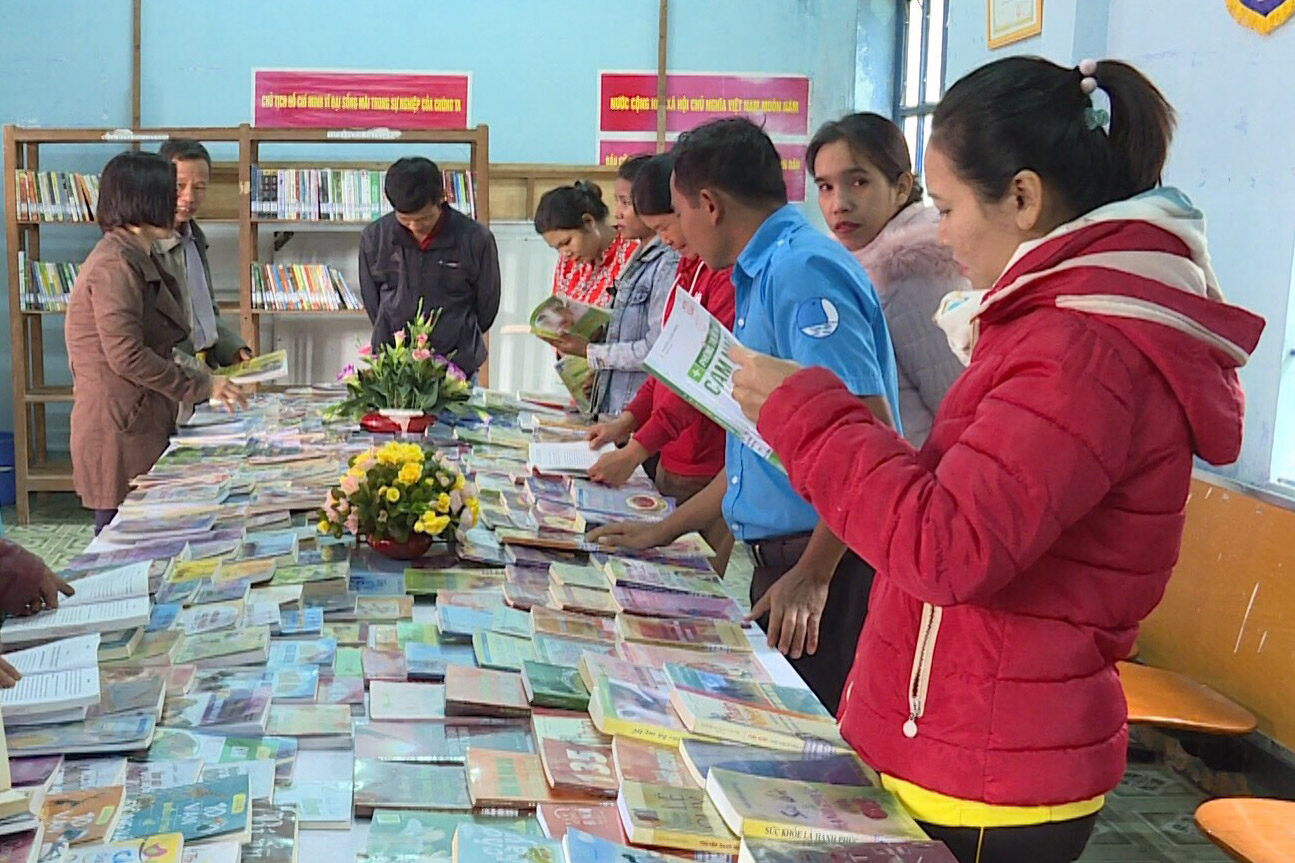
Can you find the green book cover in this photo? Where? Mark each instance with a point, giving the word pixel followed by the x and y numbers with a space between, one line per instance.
pixel 349 662
pixel 501 651
pixel 475 842
pixel 428 837
pixel 554 686
pixel 557 315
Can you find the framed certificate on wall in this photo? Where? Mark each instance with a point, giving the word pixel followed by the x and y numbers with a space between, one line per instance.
pixel 1013 20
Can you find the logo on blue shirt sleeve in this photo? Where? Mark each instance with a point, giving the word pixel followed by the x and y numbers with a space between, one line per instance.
pixel 817 317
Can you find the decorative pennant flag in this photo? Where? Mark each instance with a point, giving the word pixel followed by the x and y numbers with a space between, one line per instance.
pixel 1264 16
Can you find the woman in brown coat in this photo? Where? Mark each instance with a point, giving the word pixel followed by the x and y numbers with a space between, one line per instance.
pixel 123 320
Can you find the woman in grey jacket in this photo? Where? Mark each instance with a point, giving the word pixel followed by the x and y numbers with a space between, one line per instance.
pixel 638 307
pixel 873 204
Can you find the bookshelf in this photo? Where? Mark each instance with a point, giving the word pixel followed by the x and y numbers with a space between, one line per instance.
pixel 503 191
pixel 251 315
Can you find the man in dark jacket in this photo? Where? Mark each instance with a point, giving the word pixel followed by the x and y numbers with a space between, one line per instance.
pixel 185 256
pixel 428 251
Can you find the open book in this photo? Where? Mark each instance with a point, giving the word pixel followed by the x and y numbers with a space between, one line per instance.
pixel 691 358
pixel 267 367
pixel 57 677
pixel 68 620
pixel 572 458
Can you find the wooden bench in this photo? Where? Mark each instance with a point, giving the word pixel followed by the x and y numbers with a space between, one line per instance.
pixel 1171 700
pixel 1251 829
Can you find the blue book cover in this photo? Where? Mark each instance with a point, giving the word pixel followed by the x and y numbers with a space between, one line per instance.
pixel 377 583
pixel 204 810
pixel 163 616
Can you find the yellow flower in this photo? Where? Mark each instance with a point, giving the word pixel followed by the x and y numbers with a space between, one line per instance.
pixel 323 526
pixel 437 524
pixel 356 472
pixel 418 527
pixel 443 503
pixel 459 481
pixel 410 473
pixel 474 506
pixel 393 495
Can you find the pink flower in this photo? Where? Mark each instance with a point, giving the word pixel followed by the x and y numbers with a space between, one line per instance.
pixel 350 484
pixel 366 350
pixel 422 340
pixel 400 338
pixel 455 373
pixel 456 501
pixel 421 354
pixel 347 372
pixel 353 523
pixel 466 521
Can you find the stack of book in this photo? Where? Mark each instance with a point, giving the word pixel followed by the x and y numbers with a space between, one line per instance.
pixel 534 699
pixel 297 287
pixel 56 196
pixel 340 194
pixel 45 286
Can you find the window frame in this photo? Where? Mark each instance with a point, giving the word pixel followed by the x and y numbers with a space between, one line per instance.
pixel 925 105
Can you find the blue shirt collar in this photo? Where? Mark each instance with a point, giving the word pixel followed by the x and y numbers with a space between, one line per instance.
pixel 760 248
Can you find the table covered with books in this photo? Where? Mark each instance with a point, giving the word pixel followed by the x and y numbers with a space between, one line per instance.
pixel 235 681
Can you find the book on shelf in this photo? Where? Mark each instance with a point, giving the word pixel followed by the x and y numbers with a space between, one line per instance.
pixel 84 774
pixel 785 809
pixel 301 287
pixel 235 711
pixel 56 196
pixel 45 286
pixel 406 702
pixel 125 733
pixel 340 194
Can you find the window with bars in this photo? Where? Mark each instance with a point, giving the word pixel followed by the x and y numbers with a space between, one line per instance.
pixel 920 83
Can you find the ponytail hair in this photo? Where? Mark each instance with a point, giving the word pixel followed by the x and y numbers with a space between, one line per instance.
pixel 874 138
pixel 651 192
pixel 1027 113
pixel 565 208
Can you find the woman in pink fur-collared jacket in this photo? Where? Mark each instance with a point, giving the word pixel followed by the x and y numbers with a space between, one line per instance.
pixel 873 204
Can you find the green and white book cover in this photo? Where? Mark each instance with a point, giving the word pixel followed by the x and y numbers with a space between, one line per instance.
pixel 691 358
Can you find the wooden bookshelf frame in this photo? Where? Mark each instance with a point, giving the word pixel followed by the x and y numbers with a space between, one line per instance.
pixel 507 191
pixel 250 318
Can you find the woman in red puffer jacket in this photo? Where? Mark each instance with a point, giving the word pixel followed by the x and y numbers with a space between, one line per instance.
pixel 1020 548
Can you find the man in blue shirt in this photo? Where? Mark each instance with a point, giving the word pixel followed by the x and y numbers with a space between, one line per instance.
pixel 800 296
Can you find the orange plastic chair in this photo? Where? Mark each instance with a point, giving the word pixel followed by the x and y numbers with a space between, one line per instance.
pixel 1172 700
pixel 1251 829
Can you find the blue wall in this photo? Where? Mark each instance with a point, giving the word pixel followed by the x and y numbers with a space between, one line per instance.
pixel 1231 89
pixel 534 67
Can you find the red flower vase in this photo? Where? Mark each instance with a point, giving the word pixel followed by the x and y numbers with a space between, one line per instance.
pixel 411 549
pixel 378 424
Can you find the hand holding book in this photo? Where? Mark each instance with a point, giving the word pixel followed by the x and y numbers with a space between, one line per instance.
pixel 756 377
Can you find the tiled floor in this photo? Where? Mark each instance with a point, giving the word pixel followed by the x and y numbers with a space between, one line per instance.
pixel 1148 819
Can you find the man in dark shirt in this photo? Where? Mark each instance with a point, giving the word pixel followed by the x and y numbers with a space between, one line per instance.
pixel 428 251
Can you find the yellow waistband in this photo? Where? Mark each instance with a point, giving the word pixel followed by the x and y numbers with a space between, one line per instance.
pixel 944 811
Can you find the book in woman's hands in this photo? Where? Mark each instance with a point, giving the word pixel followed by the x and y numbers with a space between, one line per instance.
pixel 691 358
pixel 267 367
pixel 558 315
